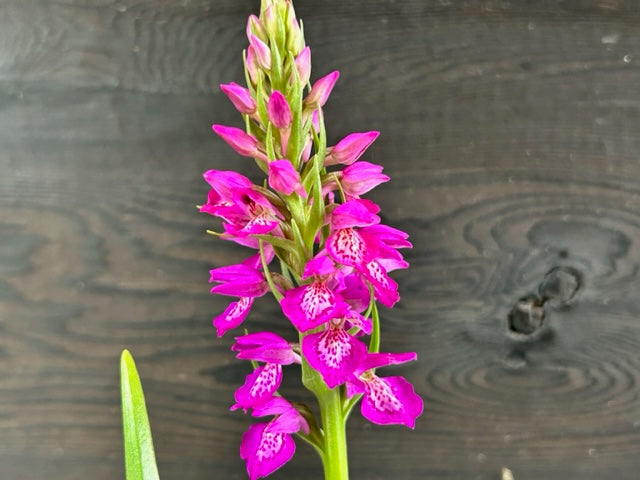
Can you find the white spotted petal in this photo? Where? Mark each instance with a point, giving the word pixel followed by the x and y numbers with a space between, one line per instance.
pixel 259 386
pixel 334 353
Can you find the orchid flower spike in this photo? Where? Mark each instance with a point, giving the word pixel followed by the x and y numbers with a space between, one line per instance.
pixel 334 256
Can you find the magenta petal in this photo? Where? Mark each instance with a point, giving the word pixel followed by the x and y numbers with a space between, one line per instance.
pixel 310 305
pixel 347 247
pixel 258 387
pixel 361 177
pixel 289 422
pixel 386 289
pixel 257 340
pixel 279 111
pixel 225 182
pixel 355 386
pixel 265 347
pixel 391 400
pixel 306 151
pixel 252 64
pixel 233 316
pixel 261 51
pixel 241 142
pixel 255 261
pixel 284 178
pixel 321 90
pixel 255 27
pixel 392 237
pixel 334 353
pixel 265 451
pixel 303 65
pixel 240 97
pixel 375 360
pixel 238 281
pixel 350 148
pixel 356 292
pixel 319 266
pixel 355 213
pixel 274 406
pixel 355 320
pixel 288 419
pixel 391 264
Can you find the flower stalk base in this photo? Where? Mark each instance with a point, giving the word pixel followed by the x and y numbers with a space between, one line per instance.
pixel 336 463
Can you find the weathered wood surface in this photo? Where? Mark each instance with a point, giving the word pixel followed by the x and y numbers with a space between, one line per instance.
pixel 510 131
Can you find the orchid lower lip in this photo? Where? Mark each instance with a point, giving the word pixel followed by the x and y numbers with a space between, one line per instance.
pixel 316 245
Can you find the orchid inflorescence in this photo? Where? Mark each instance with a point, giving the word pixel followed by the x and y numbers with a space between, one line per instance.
pixel 333 255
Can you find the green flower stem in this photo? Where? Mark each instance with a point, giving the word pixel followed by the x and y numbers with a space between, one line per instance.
pixel 334 459
pixel 336 463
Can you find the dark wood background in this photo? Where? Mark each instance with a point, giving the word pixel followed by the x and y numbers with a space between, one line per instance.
pixel 510 131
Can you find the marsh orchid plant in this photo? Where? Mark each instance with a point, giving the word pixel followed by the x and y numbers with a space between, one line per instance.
pixel 318 247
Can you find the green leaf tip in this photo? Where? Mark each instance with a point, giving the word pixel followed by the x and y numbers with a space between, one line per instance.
pixel 140 460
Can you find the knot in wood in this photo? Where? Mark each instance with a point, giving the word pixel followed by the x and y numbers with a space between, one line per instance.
pixel 527 316
pixel 560 286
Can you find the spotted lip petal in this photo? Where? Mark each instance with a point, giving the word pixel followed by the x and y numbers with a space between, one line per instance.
pixel 310 305
pixel 386 289
pixel 259 386
pixel 334 353
pixel 233 315
pixel 391 400
pixel 265 451
pixel 347 247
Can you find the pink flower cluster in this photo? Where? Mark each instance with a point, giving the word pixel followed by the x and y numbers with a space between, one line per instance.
pixel 334 254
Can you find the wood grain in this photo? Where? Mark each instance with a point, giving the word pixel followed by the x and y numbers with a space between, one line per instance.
pixel 510 132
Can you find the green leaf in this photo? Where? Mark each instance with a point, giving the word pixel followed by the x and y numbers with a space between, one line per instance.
pixel 374 341
pixel 140 460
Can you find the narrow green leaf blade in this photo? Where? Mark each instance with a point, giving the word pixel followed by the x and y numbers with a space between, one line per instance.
pixel 140 459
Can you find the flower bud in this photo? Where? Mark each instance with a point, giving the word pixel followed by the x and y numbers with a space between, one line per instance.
pixel 270 21
pixel 360 177
pixel 240 97
pixel 255 27
pixel 284 178
pixel 321 90
pixel 306 150
pixel 295 37
pixel 241 142
pixel 279 111
pixel 252 65
pixel 350 148
pixel 303 65
pixel 261 51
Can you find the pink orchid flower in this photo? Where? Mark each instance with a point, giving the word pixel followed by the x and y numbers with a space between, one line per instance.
pixel 268 446
pixel 387 400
